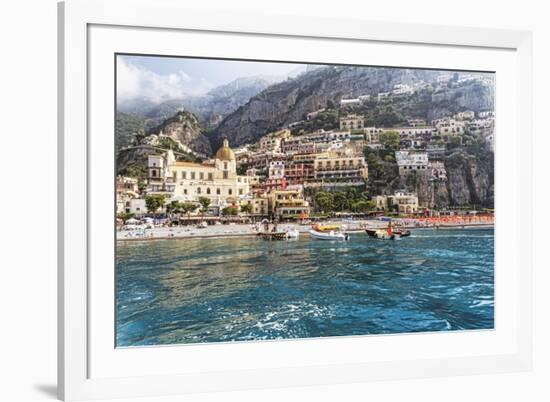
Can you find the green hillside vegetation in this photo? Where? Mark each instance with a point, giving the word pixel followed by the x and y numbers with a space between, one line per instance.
pixel 127 125
pixel 383 170
pixel 327 120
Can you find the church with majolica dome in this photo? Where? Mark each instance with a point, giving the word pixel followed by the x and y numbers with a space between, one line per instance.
pixel 216 179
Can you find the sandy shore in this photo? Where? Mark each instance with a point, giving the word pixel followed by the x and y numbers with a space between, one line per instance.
pixel 210 231
pixel 182 232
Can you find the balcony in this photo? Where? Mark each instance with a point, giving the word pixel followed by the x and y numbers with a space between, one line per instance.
pixel 340 169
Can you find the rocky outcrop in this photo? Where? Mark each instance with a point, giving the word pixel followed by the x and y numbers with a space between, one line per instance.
pixel 470 179
pixel 469 182
pixel 471 96
pixel 185 128
pixel 134 157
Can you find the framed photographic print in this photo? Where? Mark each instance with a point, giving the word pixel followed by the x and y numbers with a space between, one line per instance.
pixel 245 203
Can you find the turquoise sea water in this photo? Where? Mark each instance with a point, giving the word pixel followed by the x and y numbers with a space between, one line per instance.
pixel 236 289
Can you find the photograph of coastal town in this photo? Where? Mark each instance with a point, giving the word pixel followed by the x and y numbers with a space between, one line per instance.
pixel 273 200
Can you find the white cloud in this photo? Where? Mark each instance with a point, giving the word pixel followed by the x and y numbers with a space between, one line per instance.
pixel 137 82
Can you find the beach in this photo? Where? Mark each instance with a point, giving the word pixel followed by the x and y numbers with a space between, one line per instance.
pixel 140 233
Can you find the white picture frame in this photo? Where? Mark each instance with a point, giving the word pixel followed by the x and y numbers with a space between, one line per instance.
pixel 77 379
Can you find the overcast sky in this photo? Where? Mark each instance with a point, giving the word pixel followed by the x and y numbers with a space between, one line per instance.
pixel 158 78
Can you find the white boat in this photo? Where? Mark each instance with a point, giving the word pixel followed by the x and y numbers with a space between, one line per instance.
pixel 332 235
pixel 292 234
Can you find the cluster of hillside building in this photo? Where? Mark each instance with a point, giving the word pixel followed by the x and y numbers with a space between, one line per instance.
pixel 276 171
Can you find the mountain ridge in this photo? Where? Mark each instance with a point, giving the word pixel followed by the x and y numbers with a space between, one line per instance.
pixel 289 101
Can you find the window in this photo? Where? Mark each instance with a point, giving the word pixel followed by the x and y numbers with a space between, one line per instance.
pixel 210 176
pixel 207 190
pixel 154 173
pixel 185 191
pixel 201 175
pixel 240 191
pixel 230 191
pixel 225 165
pixel 198 190
pixel 218 191
pixel 184 175
pixel 192 175
pixel 225 174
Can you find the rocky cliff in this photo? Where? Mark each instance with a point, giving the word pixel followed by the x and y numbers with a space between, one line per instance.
pixel 469 182
pixel 185 128
pixel 470 96
pixel 289 101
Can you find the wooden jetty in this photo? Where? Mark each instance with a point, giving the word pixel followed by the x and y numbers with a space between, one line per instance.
pixel 273 235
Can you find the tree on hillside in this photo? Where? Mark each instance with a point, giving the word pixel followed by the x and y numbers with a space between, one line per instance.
pixel 373 162
pixel 341 201
pixel 363 206
pixel 187 207
pixel 390 139
pixel 230 211
pixel 205 203
pixel 246 208
pixel 154 202
pixel 125 215
pixel 352 194
pixel 136 171
pixel 172 207
pixel 324 201
pixel 388 117
pixel 242 168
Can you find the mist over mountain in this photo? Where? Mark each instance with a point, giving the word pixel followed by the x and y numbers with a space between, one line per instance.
pixel 210 108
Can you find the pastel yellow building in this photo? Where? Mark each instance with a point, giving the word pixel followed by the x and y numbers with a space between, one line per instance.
pixel 401 201
pixel 187 181
pixel 284 203
pixel 341 167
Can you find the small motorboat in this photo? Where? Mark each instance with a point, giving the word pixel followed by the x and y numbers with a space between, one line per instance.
pixel 380 234
pixel 325 228
pixel 273 235
pixel 371 232
pixel 332 235
pixel 292 234
pixel 279 234
pixel 383 234
pixel 402 232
